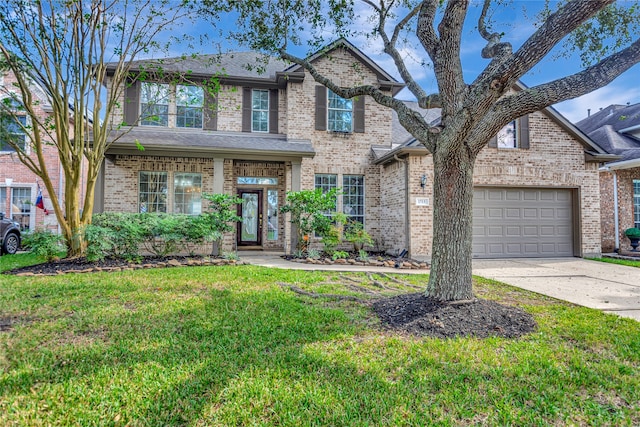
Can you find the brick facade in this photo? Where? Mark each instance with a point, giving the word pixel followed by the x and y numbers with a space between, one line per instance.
pixel 625 179
pixel 25 182
pixel 393 216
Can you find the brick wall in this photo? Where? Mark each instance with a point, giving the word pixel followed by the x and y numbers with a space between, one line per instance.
pixel 625 207
pixel 555 159
pixel 23 178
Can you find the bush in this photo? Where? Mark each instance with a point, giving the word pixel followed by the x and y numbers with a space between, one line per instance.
pixel 632 233
pixel 44 243
pixel 340 255
pixel 309 209
pixel 357 235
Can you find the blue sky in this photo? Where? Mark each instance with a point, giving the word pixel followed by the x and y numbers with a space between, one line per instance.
pixel 516 21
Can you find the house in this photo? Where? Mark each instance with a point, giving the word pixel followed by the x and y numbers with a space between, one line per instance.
pixel 616 128
pixel 19 186
pixel 265 133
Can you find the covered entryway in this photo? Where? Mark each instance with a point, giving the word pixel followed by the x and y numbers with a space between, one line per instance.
pixel 522 222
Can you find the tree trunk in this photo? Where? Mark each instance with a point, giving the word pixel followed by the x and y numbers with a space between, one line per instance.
pixel 450 278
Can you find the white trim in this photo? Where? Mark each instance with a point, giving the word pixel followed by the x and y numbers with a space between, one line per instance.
pixel 625 164
pixel 629 129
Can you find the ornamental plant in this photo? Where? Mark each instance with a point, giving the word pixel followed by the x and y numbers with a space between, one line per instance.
pixel 309 211
pixel 632 233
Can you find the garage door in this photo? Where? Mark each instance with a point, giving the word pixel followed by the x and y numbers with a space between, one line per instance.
pixel 518 222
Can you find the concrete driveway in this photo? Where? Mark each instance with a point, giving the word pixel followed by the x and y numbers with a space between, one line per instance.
pixel 608 287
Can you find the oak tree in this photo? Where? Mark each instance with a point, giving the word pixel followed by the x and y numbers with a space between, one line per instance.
pixel 472 112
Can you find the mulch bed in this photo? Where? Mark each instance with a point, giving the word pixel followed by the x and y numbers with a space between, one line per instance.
pixel 81 265
pixel 416 314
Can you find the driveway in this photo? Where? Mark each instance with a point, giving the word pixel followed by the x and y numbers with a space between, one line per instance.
pixel 608 287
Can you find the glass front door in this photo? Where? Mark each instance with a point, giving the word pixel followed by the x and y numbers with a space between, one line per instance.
pixel 250 210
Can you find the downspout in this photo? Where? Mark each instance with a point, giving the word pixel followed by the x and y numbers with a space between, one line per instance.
pixel 407 241
pixel 615 212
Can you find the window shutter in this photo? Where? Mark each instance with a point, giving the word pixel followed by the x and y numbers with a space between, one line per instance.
pixel 132 103
pixel 523 132
pixel 358 114
pixel 493 142
pixel 273 111
pixel 210 111
pixel 321 108
pixel 246 109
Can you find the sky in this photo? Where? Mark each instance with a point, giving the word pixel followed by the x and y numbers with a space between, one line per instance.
pixel 516 21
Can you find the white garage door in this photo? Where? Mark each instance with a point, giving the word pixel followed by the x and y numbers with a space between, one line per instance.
pixel 518 222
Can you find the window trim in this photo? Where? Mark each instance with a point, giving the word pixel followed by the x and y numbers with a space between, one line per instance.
pixel 169 95
pixel 267 110
pixel 364 204
pixel 330 109
pixel 199 107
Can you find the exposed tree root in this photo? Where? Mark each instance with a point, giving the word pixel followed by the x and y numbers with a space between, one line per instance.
pixel 316 295
pixel 400 282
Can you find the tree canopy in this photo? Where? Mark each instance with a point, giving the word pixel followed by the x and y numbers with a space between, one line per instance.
pixel 605 32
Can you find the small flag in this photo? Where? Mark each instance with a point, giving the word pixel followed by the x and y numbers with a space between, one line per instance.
pixel 40 201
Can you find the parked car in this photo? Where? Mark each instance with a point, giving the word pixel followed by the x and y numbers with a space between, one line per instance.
pixel 9 235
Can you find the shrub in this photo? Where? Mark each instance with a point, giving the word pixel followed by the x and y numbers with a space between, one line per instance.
pixel 219 218
pixel 309 209
pixel 313 254
pixel 44 243
pixel 340 255
pixel 99 242
pixel 632 233
pixel 363 255
pixel 357 235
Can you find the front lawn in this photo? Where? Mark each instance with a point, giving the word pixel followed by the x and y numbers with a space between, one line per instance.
pixel 222 346
pixel 630 263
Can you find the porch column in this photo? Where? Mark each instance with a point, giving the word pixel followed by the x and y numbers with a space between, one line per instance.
pixel 218 175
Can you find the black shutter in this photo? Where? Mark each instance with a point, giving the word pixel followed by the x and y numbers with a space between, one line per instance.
pixel 321 108
pixel 246 109
pixel 210 110
pixel 131 103
pixel 523 132
pixel 273 111
pixel 358 114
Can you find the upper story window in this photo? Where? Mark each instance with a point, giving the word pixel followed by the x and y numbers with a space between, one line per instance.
pixel 514 135
pixel 189 101
pixel 260 110
pixel 508 136
pixel 154 104
pixel 12 130
pixel 339 113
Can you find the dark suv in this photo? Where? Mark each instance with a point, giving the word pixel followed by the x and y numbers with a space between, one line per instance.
pixel 9 235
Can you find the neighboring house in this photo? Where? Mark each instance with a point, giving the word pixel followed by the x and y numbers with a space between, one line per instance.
pixel 617 130
pixel 18 185
pixel 268 133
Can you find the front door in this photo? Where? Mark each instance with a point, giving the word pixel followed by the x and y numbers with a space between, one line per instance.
pixel 250 210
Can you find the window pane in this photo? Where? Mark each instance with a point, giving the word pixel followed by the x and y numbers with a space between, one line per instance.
pixel 353 197
pixel 21 207
pixel 636 203
pixel 11 131
pixel 187 190
pixel 3 201
pixel 153 192
pixel 189 101
pixel 507 136
pixel 339 113
pixel 272 215
pixel 154 104
pixel 252 180
pixel 260 110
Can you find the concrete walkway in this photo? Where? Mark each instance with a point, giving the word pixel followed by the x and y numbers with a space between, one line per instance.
pixel 608 287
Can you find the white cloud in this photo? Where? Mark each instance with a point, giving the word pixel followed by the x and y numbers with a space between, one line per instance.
pixel 577 109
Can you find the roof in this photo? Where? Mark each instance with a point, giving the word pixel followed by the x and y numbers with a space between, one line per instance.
pixel 237 64
pixel 399 146
pixel 382 75
pixel 199 143
pixel 616 129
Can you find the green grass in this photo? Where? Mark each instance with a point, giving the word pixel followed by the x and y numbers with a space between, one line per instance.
pixel 23 259
pixel 628 262
pixel 223 346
